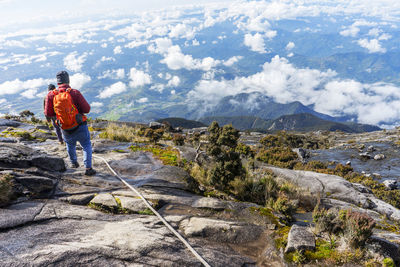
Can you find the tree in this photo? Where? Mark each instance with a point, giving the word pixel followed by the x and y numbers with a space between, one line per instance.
pixel 222 146
pixel 26 113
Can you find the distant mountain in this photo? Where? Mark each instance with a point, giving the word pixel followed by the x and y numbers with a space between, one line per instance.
pixel 307 122
pixel 180 122
pixel 261 106
pixel 302 122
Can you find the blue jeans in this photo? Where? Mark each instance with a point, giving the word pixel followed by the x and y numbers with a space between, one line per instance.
pixel 82 135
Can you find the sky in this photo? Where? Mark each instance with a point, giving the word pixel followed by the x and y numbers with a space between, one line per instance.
pixel 20 12
pixel 171 39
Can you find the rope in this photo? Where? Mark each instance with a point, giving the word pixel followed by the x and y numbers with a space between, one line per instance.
pixel 181 238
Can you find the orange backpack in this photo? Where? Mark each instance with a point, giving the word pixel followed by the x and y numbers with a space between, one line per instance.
pixel 68 116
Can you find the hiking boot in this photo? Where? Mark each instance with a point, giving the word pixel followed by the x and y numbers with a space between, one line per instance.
pixel 74 165
pixel 90 172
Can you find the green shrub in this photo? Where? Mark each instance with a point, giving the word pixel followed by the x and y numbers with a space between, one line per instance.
pixel 178 140
pixel 388 262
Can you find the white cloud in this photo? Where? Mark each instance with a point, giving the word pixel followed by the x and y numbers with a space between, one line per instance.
pixel 135 43
pixel 373 45
pixel 78 80
pixel 181 30
pixel 74 62
pixel 138 78
pixel 117 74
pixel 255 42
pixel 30 93
pixel 2 101
pixel 104 58
pixel 104 45
pixel 174 81
pixel 96 104
pixel 370 103
pixel 290 46
pixel 351 31
pixel 117 50
pixel 143 100
pixel 232 61
pixel 176 60
pixel 16 86
pixel 114 89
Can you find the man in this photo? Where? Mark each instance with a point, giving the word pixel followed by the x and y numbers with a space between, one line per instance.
pixel 79 131
pixel 51 87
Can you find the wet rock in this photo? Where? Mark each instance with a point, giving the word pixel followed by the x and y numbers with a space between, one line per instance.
pixel 300 238
pixel 379 157
pixel 221 231
pixel 37 185
pixel 106 200
pixel 132 204
pixel 210 203
pixel 391 184
pixel 365 156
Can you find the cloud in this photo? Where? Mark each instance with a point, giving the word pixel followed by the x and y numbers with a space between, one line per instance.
pixel 138 78
pixel 255 42
pixel 176 60
pixel 370 103
pixel 16 86
pixel 117 50
pixel 96 104
pixel 74 62
pixel 373 45
pixel 117 74
pixel 351 31
pixel 290 46
pixel 143 100
pixel 114 89
pixel 174 81
pixel 78 80
pixel 181 30
pixel 30 93
pixel 232 61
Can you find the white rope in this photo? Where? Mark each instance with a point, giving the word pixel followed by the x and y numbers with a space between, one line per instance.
pixel 195 253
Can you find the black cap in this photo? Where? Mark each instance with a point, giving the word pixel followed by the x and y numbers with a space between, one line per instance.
pixel 51 87
pixel 62 77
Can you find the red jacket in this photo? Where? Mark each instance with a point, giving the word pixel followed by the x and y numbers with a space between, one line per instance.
pixel 79 101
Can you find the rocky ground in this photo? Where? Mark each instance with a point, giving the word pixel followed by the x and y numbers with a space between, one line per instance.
pixel 63 218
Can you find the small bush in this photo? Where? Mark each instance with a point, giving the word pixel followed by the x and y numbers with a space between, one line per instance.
pixel 388 262
pixel 178 140
pixel 122 133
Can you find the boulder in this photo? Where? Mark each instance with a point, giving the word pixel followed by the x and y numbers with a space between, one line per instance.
pixel 49 163
pixel 390 184
pixel 210 203
pixel 9 123
pixel 132 204
pixel 300 238
pixel 37 185
pixel 105 200
pixel 221 231
pixel 385 248
pixel 348 163
pixel 379 157
pixel 365 156
pixel 155 125
pixel 371 149
pixel 301 153
pixel 82 199
pixel 7 140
